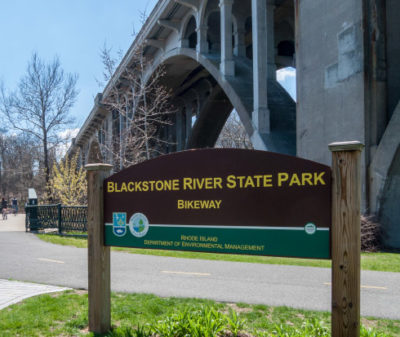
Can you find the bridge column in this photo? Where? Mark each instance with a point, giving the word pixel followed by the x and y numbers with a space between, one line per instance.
pixel 202 44
pixel 227 64
pixel 171 137
pixel 189 111
pixel 183 43
pixel 179 130
pixel 271 69
pixel 261 115
pixel 240 48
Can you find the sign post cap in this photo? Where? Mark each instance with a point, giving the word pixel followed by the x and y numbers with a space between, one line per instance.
pixel 98 167
pixel 353 145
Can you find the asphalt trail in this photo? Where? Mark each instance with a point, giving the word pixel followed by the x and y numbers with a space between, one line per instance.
pixel 24 257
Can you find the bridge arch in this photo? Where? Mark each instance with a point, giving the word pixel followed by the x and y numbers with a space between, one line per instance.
pixel 202 12
pixel 390 212
pixel 185 24
pixel 226 93
pixel 190 33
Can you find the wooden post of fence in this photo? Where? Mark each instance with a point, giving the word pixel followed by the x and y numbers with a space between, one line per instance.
pixel 98 254
pixel 346 241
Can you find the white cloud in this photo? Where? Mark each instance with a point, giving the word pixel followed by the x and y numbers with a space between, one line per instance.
pixel 66 137
pixel 286 74
pixel 68 133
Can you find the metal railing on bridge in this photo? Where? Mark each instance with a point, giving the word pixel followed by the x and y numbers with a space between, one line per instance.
pixel 57 218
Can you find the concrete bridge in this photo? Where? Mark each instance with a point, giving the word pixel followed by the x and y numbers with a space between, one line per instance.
pixel 220 55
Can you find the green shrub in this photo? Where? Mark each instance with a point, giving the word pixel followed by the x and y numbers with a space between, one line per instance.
pixel 205 322
pixel 209 322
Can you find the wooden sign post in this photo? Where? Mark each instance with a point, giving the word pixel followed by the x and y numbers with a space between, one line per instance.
pixel 346 242
pixel 157 204
pixel 98 254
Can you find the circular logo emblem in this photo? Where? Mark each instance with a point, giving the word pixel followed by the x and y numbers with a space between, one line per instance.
pixel 310 228
pixel 138 225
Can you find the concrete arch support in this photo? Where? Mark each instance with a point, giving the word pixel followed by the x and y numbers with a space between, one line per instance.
pixel 183 39
pixel 202 43
pixel 174 25
pixel 230 88
pixel 194 4
pixel 385 181
pixel 202 29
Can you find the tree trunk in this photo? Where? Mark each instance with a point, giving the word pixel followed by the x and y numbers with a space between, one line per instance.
pixel 46 167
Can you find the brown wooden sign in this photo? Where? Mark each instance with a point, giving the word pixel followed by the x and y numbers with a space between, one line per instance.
pixel 215 194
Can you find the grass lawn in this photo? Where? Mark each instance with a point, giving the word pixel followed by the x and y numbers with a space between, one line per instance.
pixel 369 261
pixel 65 314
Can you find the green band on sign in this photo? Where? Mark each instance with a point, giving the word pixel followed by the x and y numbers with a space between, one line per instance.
pixel 273 241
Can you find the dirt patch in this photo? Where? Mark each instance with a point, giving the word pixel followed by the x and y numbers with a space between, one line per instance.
pixel 369 324
pixel 57 294
pixel 239 310
pixel 85 330
pixel 240 334
pixel 80 292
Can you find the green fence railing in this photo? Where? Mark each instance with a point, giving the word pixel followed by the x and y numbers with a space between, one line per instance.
pixel 58 217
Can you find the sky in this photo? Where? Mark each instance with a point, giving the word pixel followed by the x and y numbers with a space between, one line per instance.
pixel 75 31
pixel 287 78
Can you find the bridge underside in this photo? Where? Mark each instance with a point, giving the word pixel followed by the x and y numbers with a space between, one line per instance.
pixel 204 97
pixel 200 102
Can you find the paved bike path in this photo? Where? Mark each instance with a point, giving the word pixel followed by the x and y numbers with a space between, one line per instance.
pixel 11 291
pixel 24 257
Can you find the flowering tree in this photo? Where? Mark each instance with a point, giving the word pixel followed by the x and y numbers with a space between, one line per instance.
pixel 67 184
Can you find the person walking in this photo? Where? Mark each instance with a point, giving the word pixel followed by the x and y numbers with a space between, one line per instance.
pixel 14 204
pixel 4 208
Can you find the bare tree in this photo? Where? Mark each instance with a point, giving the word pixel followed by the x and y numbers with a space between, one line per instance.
pixel 18 171
pixel 141 105
pixel 40 105
pixel 233 134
